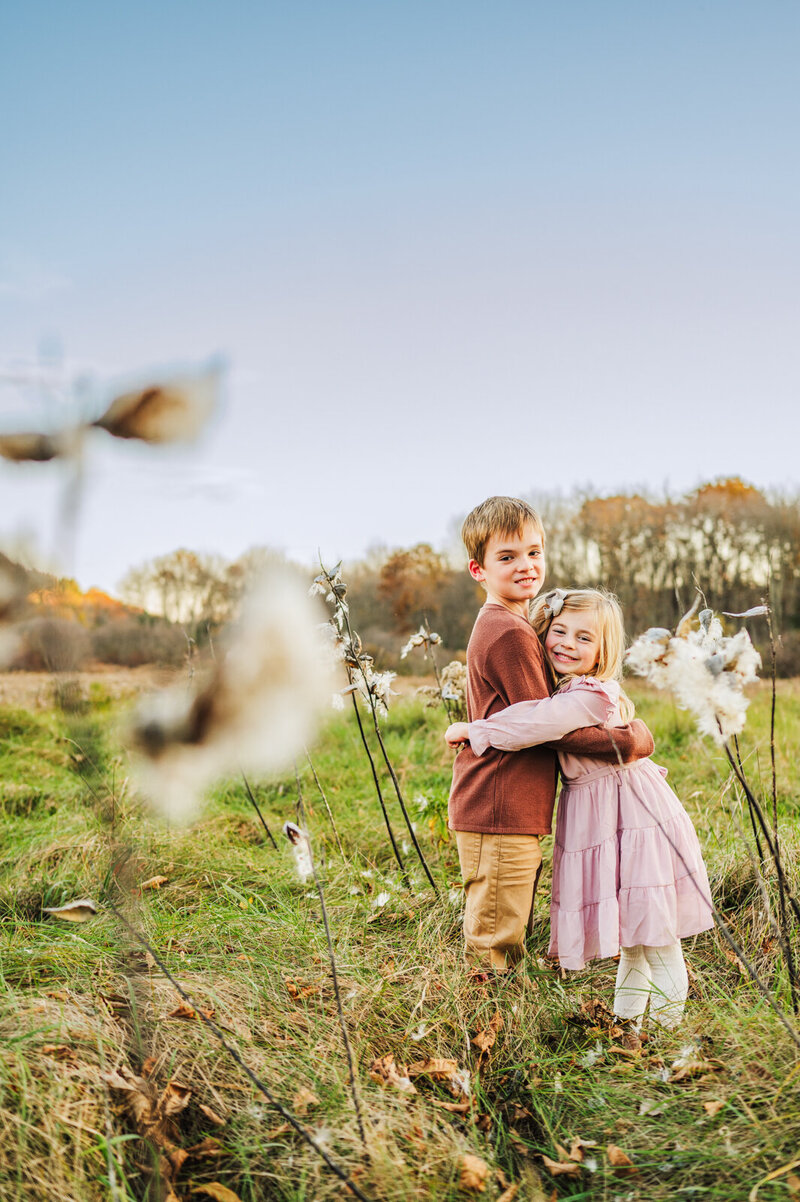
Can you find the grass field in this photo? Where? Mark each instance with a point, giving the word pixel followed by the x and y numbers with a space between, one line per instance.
pixel 107 1091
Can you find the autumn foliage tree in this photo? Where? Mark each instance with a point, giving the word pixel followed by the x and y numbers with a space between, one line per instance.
pixel 411 584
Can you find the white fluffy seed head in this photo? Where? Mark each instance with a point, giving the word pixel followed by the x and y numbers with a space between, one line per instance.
pixel 704 669
pixel 256 710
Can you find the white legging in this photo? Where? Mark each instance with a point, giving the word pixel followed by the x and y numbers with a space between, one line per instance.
pixel 657 974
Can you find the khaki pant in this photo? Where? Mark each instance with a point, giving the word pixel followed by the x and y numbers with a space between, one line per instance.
pixel 500 874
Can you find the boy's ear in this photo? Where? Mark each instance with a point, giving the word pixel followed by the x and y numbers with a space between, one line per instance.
pixel 476 570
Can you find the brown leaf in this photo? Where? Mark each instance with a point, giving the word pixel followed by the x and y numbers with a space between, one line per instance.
pixel 281 1129
pixel 559 1168
pixel 148 1066
pixel 220 1193
pixel 79 910
pixel 509 1194
pixel 59 1051
pixel 386 1072
pixel 174 1099
pixel 484 1040
pixel 176 1157
pixel 456 1079
pixel 155 882
pixel 712 1108
pixel 186 1011
pixel 577 1146
pixel 211 1115
pixel 60 995
pixel 304 1100
pixel 297 991
pixel 473 1173
pixel 620 1161
pixel 452 1107
pixel 207 1148
pixel 695 1068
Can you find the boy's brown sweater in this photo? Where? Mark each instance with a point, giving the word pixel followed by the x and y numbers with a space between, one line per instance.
pixel 513 792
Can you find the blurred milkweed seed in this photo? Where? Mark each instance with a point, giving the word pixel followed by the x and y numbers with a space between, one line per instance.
pixel 757 611
pixel 37 448
pixel 256 710
pixel 173 411
pixel 301 849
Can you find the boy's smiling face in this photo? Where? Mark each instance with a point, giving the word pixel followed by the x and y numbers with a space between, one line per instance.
pixel 513 568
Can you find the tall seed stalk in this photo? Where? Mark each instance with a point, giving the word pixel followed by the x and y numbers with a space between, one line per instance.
pixel 372 687
pixel 295 836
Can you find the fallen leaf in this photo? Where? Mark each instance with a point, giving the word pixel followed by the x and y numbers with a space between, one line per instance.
pixel 211 1115
pixel 155 882
pixel 297 991
pixel 577 1146
pixel 650 1106
pixel 176 1158
pixel 148 1066
pixel 559 1168
pixel 74 911
pixel 695 1068
pixel 457 1079
pixel 473 1173
pixel 386 1072
pixel 508 1194
pixel 186 1011
pixel 304 1100
pixel 452 1107
pixel 484 1040
pixel 712 1108
pixel 620 1161
pixel 220 1193
pixel 60 995
pixel 281 1129
pixel 562 1152
pixel 793 1184
pixel 207 1147
pixel 59 1051
pixel 174 1099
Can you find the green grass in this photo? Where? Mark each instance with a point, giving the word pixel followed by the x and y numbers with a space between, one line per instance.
pixel 242 935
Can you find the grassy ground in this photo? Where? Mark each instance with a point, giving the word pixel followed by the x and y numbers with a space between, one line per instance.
pixel 710 1111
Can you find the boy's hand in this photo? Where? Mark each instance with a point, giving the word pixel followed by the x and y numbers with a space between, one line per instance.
pixel 457 734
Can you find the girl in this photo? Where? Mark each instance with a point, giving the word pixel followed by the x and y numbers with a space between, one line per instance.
pixel 628 875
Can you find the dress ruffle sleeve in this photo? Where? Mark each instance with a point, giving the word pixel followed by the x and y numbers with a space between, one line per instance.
pixel 583 702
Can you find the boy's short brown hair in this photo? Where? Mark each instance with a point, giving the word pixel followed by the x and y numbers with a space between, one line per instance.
pixel 496 515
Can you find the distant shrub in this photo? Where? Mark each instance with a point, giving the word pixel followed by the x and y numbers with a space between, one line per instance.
pixel 131 642
pixel 52 645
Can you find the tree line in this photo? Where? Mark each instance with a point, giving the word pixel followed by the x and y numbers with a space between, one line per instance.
pixel 727 538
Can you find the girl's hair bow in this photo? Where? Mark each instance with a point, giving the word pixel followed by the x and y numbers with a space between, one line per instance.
pixel 554 601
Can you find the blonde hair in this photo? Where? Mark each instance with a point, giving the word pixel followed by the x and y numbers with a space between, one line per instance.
pixel 496 515
pixel 610 631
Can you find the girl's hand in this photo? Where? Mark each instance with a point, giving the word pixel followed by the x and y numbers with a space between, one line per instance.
pixel 457 734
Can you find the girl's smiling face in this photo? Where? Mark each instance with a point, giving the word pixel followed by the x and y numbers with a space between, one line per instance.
pixel 572 643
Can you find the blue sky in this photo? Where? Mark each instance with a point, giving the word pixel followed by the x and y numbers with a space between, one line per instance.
pixel 449 249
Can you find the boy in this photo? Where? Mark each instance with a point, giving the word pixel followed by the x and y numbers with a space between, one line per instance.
pixel 501 803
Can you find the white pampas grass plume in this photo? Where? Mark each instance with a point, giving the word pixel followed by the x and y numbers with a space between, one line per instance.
pixel 172 410
pixel 255 712
pixel 301 849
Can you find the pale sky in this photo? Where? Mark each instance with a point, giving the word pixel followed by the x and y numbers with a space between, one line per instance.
pixel 448 248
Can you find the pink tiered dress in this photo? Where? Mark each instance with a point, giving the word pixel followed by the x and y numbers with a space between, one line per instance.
pixel 627 865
